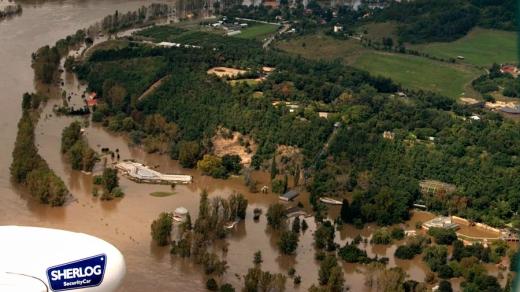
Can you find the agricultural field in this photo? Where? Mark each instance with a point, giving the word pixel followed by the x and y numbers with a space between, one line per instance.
pixel 257 31
pixel 410 71
pixel 419 73
pixel 481 47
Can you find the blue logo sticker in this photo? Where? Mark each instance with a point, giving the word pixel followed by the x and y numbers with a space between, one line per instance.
pixel 83 273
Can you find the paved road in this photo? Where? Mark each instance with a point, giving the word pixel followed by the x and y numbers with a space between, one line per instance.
pixel 271 38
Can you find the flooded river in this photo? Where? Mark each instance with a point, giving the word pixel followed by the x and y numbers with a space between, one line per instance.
pixel 126 222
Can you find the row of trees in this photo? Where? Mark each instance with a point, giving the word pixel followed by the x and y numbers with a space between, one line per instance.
pixel 118 22
pixel 28 168
pixel 46 60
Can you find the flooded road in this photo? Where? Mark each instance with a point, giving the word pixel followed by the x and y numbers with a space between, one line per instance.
pixel 126 222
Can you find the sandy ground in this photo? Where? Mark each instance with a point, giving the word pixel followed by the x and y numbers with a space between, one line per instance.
pixel 231 146
pixel 500 104
pixel 226 71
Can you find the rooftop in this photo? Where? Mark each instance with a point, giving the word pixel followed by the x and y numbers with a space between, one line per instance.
pixel 440 222
pixel 288 196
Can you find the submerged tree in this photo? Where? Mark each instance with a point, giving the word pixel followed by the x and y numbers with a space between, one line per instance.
pixel 276 215
pixel 161 228
pixel 288 242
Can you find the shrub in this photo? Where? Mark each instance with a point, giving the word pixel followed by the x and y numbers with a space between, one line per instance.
pixel 443 235
pixel 397 233
pixel 212 285
pixel 227 288
pixel 381 236
pixel 352 254
pixel 161 228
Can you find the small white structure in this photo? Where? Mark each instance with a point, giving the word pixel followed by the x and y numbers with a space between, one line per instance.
pixel 323 115
pixel 388 135
pixel 143 174
pixel 168 44
pixel 180 214
pixel 233 32
pixel 338 28
pixel 440 222
pixel 475 118
pixel 330 201
pixel 410 233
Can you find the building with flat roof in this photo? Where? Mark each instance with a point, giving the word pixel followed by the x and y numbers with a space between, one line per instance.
pixel 440 222
pixel 290 195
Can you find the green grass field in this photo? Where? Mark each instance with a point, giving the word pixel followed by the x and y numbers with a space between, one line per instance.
pixel 410 71
pixel 481 47
pixel 419 73
pixel 321 46
pixel 257 31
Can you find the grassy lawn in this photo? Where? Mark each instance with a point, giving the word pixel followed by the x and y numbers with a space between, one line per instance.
pixel 418 73
pixel 481 47
pixel 257 31
pixel 250 82
pixel 162 194
pixel 321 46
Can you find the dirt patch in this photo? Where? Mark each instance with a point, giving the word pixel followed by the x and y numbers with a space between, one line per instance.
pixel 470 230
pixel 226 72
pixel 287 158
pixel 234 143
pixel 500 104
pixel 469 100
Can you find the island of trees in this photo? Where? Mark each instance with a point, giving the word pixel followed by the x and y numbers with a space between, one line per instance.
pixel 28 168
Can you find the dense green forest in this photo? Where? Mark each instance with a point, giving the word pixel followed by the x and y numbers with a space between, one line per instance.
pixel 192 113
pixel 420 21
pixel 28 168
pixel 425 21
pixel 434 139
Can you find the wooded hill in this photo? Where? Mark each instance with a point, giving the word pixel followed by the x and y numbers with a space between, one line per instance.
pixel 434 138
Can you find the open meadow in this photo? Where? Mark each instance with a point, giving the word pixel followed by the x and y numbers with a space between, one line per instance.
pixel 410 71
pixel 258 31
pixel 419 73
pixel 481 47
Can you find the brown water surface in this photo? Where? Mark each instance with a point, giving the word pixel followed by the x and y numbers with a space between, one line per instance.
pixel 125 222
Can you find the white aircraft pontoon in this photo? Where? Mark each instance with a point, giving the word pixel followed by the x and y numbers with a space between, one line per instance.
pixel 34 259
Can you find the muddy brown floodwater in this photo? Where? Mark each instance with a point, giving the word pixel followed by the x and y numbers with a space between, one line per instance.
pixel 126 222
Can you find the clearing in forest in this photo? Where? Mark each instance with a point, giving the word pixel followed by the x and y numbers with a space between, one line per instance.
pixel 226 72
pixel 234 143
pixel 481 47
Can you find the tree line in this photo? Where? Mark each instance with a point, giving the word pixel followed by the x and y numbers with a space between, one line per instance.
pixel 28 168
